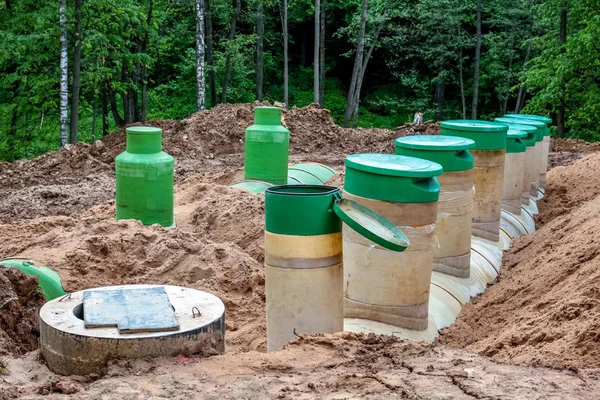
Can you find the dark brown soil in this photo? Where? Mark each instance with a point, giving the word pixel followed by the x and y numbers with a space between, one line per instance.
pixel 20 301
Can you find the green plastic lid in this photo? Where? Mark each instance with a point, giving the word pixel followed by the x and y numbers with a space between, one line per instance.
pixel 513 124
pixel 144 140
pixel 540 118
pixel 542 128
pixel 267 115
pixel 370 224
pixel 451 152
pixel 487 135
pixel 514 142
pixel 391 177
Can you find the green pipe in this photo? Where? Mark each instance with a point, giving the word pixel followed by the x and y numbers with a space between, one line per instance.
pixel 49 280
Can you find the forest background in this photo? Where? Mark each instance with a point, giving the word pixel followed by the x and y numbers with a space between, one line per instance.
pixel 74 70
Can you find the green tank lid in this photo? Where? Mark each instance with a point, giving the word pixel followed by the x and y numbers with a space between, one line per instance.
pixel 144 140
pixel 451 152
pixel 391 177
pixel 487 135
pixel 540 118
pixel 514 142
pixel 542 128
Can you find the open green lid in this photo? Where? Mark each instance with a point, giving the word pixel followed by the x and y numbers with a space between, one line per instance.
pixel 514 142
pixel 540 118
pixel 542 128
pixel 486 135
pixel 451 152
pixel 391 177
pixel 370 224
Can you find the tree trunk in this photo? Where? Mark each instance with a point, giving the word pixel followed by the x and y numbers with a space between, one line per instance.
pixel 104 114
pixel 357 65
pixel 520 96
pixel 212 85
pixel 462 85
pixel 260 33
pixel 439 98
pixel 64 75
pixel 323 20
pixel 113 107
pixel 236 13
pixel 286 94
pixel 365 62
pixel 316 52
pixel 200 82
pixel 144 93
pixel 94 109
pixel 76 73
pixel 477 60
pixel 560 115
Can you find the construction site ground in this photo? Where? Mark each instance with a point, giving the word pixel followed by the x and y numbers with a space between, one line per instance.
pixel 534 334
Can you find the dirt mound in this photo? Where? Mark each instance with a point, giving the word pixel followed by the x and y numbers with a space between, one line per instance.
pixel 546 308
pixel 573 146
pixel 569 187
pixel 20 301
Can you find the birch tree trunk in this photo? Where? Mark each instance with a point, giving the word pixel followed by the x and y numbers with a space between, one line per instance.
pixel 316 53
pixel 200 96
pixel 477 60
pixel 212 85
pixel 357 64
pixel 76 73
pixel 286 94
pixel 64 75
pixel 323 19
pixel 365 62
pixel 520 96
pixel 560 115
pixel 234 17
pixel 462 85
pixel 260 33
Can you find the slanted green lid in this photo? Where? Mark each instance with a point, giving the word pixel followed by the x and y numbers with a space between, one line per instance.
pixel 391 177
pixel 514 142
pixel 540 118
pixel 370 224
pixel 542 128
pixel 451 152
pixel 487 135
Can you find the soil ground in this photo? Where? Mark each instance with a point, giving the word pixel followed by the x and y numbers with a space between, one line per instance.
pixel 533 334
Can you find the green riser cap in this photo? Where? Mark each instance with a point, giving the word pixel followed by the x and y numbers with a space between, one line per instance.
pixel 486 135
pixel 450 152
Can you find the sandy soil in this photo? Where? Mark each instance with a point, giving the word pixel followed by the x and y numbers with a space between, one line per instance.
pixel 58 210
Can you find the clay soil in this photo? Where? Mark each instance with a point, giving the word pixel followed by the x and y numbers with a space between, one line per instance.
pixel 58 211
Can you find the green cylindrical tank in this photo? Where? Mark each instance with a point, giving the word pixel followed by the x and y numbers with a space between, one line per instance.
pixel 145 178
pixel 381 285
pixel 267 147
pixel 303 257
pixel 452 256
pixel 489 153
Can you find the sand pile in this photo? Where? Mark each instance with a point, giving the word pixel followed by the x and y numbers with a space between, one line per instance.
pixel 20 302
pixel 546 308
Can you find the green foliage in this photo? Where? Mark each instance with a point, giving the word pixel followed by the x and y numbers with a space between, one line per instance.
pixel 570 71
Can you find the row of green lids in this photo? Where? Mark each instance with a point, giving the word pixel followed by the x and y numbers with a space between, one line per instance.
pixel 409 176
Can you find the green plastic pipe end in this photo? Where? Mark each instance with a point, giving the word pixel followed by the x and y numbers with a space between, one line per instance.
pixel 48 280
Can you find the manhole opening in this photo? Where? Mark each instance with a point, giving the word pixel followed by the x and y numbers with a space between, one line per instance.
pixel 78 311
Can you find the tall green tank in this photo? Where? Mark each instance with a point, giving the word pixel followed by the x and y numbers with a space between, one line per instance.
pixel 267 147
pixel 145 178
